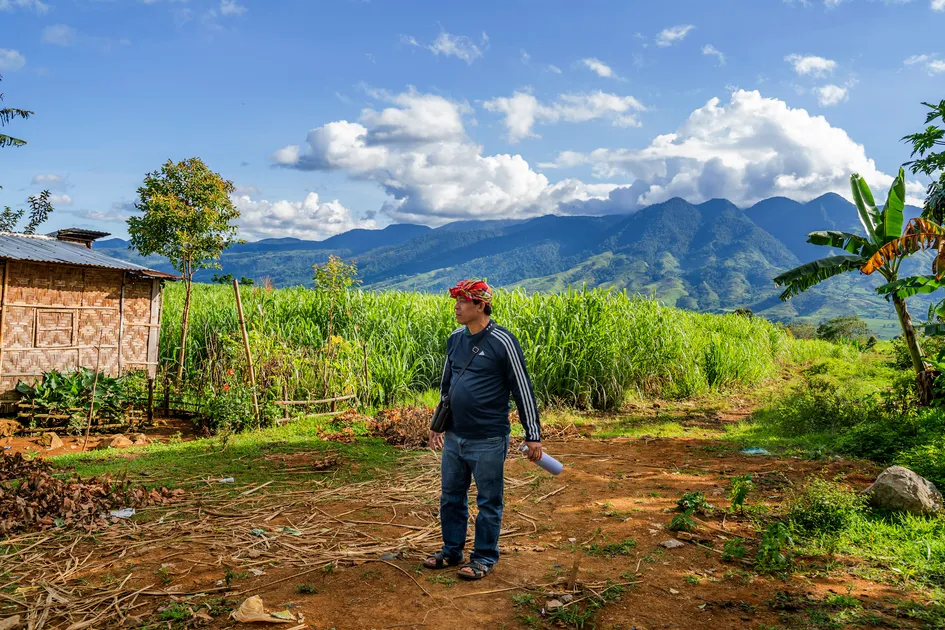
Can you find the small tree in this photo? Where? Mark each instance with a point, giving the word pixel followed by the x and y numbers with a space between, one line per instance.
pixel 847 328
pixel 334 278
pixel 40 207
pixel 187 218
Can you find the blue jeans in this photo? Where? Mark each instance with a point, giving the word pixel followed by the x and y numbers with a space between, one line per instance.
pixel 463 460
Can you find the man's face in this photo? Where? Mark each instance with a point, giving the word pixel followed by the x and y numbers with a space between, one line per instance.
pixel 467 311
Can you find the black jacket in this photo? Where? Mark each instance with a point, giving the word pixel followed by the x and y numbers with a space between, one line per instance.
pixel 480 399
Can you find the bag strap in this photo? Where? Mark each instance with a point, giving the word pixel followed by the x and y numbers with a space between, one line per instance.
pixel 475 351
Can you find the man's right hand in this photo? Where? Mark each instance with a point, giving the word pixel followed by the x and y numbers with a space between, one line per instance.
pixel 436 440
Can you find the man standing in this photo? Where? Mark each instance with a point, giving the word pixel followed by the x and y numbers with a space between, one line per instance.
pixel 484 365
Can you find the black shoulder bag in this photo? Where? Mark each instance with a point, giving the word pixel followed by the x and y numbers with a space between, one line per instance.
pixel 443 414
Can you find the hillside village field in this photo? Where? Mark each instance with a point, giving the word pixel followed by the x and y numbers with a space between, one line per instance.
pixel 330 513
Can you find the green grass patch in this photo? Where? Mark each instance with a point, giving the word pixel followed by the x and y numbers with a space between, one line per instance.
pixel 612 550
pixel 241 456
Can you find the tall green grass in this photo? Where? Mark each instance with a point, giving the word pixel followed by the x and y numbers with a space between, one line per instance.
pixel 586 349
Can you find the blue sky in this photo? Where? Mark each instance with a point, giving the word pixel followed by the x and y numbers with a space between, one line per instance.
pixel 435 111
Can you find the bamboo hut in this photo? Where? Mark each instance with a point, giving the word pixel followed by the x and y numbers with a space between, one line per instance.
pixel 64 306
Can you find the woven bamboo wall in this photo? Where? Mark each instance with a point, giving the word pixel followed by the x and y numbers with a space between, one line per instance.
pixel 58 316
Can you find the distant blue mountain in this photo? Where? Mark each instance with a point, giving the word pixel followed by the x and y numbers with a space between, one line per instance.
pixel 712 256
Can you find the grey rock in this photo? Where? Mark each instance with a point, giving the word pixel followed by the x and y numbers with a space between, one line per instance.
pixel 672 543
pixel 899 489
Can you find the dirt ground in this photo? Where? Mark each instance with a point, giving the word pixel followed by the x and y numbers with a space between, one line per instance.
pixel 163 430
pixel 352 557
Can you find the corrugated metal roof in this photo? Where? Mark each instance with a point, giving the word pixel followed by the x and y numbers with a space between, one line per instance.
pixel 45 249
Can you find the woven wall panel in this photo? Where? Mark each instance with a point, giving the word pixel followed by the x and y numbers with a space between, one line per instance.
pixel 38 361
pixel 138 301
pixel 55 329
pixel 102 287
pixel 18 327
pixel 108 361
pixel 36 340
pixel 134 344
pixel 94 323
pixel 49 285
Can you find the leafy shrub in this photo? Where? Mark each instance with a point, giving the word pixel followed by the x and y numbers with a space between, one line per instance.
pixel 682 522
pixel 774 554
pixel 823 507
pixel 70 394
pixel 734 549
pixel 693 502
pixel 926 459
pixel 932 346
pixel 229 409
pixel 737 494
pixel 847 328
pixel 802 330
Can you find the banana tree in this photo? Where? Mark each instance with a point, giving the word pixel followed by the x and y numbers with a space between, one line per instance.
pixel 920 234
pixel 882 228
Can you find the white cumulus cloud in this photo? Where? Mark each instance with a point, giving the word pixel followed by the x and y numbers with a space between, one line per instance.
pixel 671 36
pixel 311 218
pixel 417 150
pixel 598 67
pixel 459 46
pixel 11 60
pixel 938 5
pixel 811 65
pixel 60 200
pixel 748 150
pixel 929 61
pixel 712 51
pixel 830 94
pixel 59 35
pixel 523 110
pixel 47 179
pixel 230 7
pixel 35 5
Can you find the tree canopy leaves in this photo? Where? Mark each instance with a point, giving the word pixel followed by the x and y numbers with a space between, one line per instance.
pixel 186 216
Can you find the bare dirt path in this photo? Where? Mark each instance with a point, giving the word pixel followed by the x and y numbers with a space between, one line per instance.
pixel 349 557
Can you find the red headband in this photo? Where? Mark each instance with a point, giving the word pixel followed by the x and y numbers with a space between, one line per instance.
pixel 473 291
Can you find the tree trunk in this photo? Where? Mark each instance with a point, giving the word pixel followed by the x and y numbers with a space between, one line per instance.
pixel 188 283
pixel 923 377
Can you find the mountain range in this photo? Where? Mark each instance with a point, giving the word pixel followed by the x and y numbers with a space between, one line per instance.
pixel 712 257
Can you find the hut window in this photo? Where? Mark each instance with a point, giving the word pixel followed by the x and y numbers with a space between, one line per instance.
pixel 54 329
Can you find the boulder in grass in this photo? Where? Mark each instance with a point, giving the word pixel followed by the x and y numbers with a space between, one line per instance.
pixel 120 441
pixel 140 439
pixel 899 489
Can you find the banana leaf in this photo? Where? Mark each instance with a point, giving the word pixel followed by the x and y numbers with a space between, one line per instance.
pixel 853 243
pixel 801 278
pixel 913 285
pixel 865 206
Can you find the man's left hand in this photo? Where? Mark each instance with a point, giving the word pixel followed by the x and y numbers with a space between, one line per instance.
pixel 534 451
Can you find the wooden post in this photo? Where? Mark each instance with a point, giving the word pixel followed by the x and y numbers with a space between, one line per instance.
pixel 249 356
pixel 150 400
pixel 167 394
pixel 121 317
pixel 98 360
pixel 3 311
pixel 285 396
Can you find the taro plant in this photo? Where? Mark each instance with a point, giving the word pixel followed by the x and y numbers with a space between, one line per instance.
pixel 70 394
